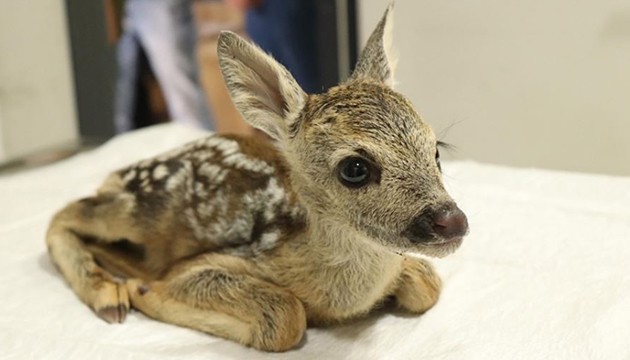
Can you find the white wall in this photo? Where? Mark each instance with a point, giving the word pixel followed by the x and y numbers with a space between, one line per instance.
pixel 2 152
pixel 543 83
pixel 37 109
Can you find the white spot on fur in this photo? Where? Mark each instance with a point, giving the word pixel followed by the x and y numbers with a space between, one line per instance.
pixel 213 141
pixel 205 210
pixel 214 173
pixel 204 156
pixel 176 179
pixel 228 147
pixel 198 230
pixel 241 228
pixel 129 200
pixel 242 162
pixel 274 194
pixel 269 240
pixel 130 175
pixel 200 190
pixel 275 190
pixel 160 172
pixel 144 174
pixel 146 185
pixel 231 156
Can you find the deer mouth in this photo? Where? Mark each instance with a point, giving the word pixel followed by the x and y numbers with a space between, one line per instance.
pixel 445 243
pixel 439 247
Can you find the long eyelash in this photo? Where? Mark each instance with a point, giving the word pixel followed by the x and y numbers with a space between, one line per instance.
pixel 445 145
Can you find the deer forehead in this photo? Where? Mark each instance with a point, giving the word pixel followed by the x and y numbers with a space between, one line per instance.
pixel 367 116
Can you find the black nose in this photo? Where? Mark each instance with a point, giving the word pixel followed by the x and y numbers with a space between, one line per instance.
pixel 445 222
pixel 450 223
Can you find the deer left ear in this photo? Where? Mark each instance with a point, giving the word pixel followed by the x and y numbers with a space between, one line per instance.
pixel 377 61
pixel 263 91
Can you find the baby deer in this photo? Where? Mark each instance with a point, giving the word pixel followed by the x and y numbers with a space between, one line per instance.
pixel 250 239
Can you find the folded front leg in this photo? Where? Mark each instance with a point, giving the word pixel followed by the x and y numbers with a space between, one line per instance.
pixel 221 295
pixel 418 286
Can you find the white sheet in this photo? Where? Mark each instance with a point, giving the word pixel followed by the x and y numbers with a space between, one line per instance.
pixel 543 274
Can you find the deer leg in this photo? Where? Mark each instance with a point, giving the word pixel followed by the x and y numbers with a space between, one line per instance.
pixel 223 296
pixel 101 217
pixel 418 286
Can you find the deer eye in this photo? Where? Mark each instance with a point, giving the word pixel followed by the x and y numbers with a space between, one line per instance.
pixel 354 172
pixel 437 159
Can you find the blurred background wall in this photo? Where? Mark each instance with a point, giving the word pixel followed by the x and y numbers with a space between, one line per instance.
pixel 523 83
pixel 37 105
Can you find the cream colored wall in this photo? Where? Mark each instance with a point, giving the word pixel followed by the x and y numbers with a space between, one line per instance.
pixel 36 93
pixel 524 83
pixel 2 152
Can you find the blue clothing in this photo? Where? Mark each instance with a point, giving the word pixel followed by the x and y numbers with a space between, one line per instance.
pixel 286 30
pixel 165 30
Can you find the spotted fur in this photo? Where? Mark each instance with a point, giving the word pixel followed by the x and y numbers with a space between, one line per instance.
pixel 251 239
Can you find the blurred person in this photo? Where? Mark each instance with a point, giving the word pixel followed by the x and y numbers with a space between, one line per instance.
pixel 286 30
pixel 165 31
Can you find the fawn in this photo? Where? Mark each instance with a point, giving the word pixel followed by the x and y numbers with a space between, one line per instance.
pixel 251 239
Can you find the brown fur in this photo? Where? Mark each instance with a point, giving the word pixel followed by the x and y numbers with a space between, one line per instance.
pixel 250 240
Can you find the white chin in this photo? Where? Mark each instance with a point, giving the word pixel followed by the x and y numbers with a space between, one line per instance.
pixel 440 248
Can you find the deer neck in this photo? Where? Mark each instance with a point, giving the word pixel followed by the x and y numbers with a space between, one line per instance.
pixel 337 244
pixel 347 272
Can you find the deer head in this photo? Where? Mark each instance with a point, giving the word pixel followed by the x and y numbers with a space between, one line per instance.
pixel 359 153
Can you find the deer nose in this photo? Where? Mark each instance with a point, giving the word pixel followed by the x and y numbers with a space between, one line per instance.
pixel 439 223
pixel 449 223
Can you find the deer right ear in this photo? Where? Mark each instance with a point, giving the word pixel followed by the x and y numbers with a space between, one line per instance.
pixel 262 89
pixel 378 61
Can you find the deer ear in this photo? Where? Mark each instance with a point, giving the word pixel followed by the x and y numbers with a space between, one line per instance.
pixel 263 91
pixel 377 60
